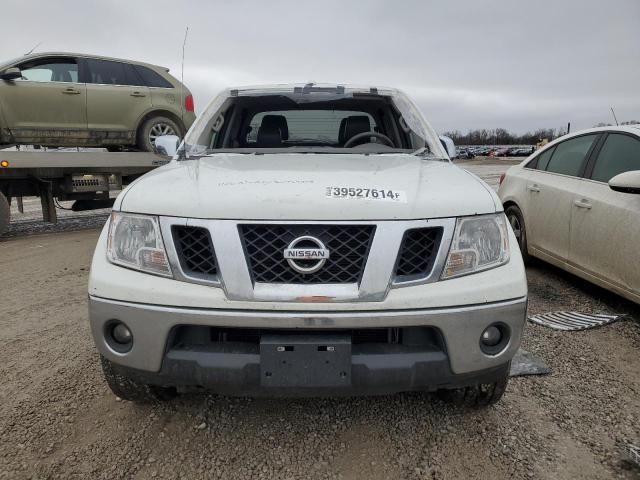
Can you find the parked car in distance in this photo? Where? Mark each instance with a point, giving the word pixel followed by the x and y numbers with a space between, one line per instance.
pixel 499 152
pixel 68 100
pixel 520 151
pixel 576 204
pixel 465 153
pixel 318 241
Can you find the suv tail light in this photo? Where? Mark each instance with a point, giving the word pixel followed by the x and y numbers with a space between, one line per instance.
pixel 188 103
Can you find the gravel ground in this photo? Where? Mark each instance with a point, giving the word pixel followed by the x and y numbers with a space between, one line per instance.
pixel 59 420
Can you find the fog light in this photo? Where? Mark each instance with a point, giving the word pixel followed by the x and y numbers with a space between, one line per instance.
pixel 492 336
pixel 121 334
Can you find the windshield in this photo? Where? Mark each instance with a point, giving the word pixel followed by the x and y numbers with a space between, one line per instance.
pixel 311 119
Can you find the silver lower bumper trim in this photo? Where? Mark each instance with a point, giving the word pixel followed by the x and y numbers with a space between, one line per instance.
pixel 461 327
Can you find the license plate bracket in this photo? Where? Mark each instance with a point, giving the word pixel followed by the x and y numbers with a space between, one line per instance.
pixel 305 360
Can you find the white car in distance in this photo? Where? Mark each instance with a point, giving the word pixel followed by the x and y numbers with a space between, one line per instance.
pixel 576 204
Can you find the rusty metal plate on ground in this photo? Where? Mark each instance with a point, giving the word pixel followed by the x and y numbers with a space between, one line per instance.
pixel 633 453
pixel 525 363
pixel 570 321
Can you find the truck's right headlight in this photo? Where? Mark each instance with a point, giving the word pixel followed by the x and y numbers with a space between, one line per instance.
pixel 479 243
pixel 135 242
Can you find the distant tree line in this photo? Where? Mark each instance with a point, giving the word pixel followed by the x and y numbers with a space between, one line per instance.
pixel 631 122
pixel 501 136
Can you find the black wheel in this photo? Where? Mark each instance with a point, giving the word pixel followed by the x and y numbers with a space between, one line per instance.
pixel 129 389
pixel 515 218
pixel 5 214
pixel 476 396
pixel 155 127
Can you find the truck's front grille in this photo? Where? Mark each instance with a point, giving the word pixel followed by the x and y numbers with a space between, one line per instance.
pixel 348 247
pixel 195 251
pixel 418 253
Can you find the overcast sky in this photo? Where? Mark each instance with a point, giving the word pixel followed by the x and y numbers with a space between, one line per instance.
pixel 515 64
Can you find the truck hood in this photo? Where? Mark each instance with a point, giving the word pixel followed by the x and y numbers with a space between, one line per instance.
pixel 294 186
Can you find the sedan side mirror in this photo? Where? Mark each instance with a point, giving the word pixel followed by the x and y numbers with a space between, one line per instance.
pixel 12 73
pixel 627 182
pixel 167 145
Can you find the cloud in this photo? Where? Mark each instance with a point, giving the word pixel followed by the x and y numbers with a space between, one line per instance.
pixel 468 64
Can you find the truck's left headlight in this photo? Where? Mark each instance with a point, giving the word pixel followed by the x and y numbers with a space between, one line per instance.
pixel 135 242
pixel 479 243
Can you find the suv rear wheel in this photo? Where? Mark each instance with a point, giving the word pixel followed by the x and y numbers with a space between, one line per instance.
pixel 129 389
pixel 155 127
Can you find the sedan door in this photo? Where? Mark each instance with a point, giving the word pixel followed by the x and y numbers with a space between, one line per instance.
pixel 47 106
pixel 605 226
pixel 551 190
pixel 116 100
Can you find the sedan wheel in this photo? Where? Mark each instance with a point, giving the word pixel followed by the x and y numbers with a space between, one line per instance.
pixel 516 220
pixel 517 229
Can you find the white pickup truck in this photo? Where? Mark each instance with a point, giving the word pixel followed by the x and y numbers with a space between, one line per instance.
pixel 308 240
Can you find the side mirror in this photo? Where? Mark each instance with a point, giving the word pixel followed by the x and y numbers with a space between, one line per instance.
pixel 167 145
pixel 449 146
pixel 627 182
pixel 12 73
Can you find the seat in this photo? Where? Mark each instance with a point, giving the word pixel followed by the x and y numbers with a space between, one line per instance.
pixel 278 121
pixel 352 126
pixel 269 137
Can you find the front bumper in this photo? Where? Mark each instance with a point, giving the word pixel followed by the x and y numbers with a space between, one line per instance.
pixel 458 361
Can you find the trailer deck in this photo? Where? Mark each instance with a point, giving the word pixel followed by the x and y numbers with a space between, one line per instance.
pixel 85 176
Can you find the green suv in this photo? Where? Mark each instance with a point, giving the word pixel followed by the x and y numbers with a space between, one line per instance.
pixel 65 99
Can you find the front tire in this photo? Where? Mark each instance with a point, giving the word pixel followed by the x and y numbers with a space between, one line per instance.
pixel 129 389
pixel 476 396
pixel 155 127
pixel 515 218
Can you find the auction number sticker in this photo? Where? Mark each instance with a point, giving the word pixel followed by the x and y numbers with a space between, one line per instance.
pixel 367 193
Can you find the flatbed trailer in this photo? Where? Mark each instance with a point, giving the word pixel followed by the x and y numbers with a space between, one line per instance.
pixel 84 176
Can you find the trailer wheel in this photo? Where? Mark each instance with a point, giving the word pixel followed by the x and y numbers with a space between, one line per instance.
pixel 5 214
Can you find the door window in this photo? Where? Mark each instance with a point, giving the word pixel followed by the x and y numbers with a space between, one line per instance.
pixel 569 156
pixel 542 160
pixel 619 154
pixel 151 78
pixel 50 70
pixel 106 72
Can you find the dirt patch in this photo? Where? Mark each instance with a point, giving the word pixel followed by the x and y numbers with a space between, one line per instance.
pixel 59 420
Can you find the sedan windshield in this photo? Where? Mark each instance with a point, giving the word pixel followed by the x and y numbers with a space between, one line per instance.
pixel 311 119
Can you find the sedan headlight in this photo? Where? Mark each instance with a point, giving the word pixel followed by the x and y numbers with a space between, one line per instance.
pixel 135 242
pixel 479 243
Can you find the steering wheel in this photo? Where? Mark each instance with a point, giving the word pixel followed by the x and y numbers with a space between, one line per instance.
pixel 359 136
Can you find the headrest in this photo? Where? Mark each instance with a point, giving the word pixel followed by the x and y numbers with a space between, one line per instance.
pixel 354 125
pixel 269 137
pixel 276 121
